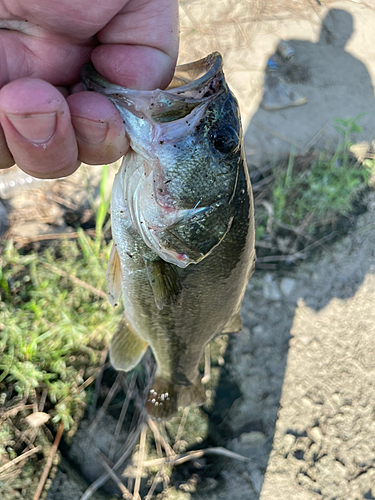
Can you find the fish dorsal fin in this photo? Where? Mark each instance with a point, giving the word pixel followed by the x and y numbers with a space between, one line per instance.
pixel 126 348
pixel 234 324
pixel 165 283
pixel 113 277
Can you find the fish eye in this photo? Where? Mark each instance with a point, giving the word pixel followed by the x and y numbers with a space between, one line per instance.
pixel 225 139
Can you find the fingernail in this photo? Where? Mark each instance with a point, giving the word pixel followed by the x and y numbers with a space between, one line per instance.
pixel 89 130
pixel 38 128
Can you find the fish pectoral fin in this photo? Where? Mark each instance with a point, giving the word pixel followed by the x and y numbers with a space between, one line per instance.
pixel 165 283
pixel 165 397
pixel 113 277
pixel 126 349
pixel 234 324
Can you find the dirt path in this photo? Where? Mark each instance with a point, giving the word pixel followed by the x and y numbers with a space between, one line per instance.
pixel 322 448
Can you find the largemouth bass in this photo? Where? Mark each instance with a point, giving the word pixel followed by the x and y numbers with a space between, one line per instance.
pixel 182 225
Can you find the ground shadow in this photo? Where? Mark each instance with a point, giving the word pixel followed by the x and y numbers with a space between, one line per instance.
pixel 246 422
pixel 335 83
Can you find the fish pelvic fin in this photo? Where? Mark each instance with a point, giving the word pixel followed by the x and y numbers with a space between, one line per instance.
pixel 234 324
pixel 165 283
pixel 165 398
pixel 113 277
pixel 126 349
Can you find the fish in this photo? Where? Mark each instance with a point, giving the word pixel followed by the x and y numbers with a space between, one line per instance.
pixel 182 226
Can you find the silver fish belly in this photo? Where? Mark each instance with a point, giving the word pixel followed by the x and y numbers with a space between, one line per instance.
pixel 182 225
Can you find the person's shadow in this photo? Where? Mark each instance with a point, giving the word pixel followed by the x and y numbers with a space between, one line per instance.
pixel 335 84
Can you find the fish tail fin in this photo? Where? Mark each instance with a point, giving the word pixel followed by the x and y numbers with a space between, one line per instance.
pixel 192 394
pixel 165 398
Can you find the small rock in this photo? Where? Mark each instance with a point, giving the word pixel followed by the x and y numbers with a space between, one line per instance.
pixel 316 435
pixel 254 438
pixel 287 442
pixel 258 331
pixel 37 418
pixel 270 288
pixel 287 285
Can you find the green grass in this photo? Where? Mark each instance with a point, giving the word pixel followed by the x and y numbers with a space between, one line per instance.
pixel 52 329
pixel 308 194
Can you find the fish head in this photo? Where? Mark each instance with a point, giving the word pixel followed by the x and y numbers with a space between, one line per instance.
pixel 180 178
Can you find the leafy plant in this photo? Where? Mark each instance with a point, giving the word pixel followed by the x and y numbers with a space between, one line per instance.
pixel 54 318
pixel 309 194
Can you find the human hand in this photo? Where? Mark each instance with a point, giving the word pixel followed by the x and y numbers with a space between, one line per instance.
pixel 47 125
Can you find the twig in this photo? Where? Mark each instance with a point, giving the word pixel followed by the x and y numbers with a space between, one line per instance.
pixel 75 280
pixel 276 134
pixel 64 203
pixel 138 474
pixel 105 462
pixel 18 459
pixel 207 365
pixel 320 242
pixel 280 258
pixel 257 186
pixel 111 394
pixel 297 255
pixel 181 426
pixel 190 455
pixel 102 366
pixel 169 451
pixel 21 435
pixel 314 140
pixel 7 478
pixel 48 465
pixel 81 387
pixel 41 237
pixel 128 449
pixel 120 421
pixel 42 400
pixel 154 484
pixel 270 212
pixel 13 411
pixel 160 455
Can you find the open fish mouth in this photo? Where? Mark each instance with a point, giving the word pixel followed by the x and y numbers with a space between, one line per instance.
pixel 191 86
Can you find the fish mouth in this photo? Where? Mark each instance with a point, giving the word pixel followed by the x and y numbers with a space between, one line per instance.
pixel 193 84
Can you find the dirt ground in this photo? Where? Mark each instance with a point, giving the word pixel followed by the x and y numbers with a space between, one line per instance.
pixel 296 394
pixel 316 323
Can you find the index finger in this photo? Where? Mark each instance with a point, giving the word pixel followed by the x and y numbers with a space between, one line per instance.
pixel 139 46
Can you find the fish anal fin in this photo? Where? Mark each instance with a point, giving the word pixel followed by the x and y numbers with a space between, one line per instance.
pixel 234 324
pixel 113 277
pixel 126 349
pixel 165 397
pixel 165 283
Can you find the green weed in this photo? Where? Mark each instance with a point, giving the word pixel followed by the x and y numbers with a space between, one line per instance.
pixel 52 328
pixel 307 194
